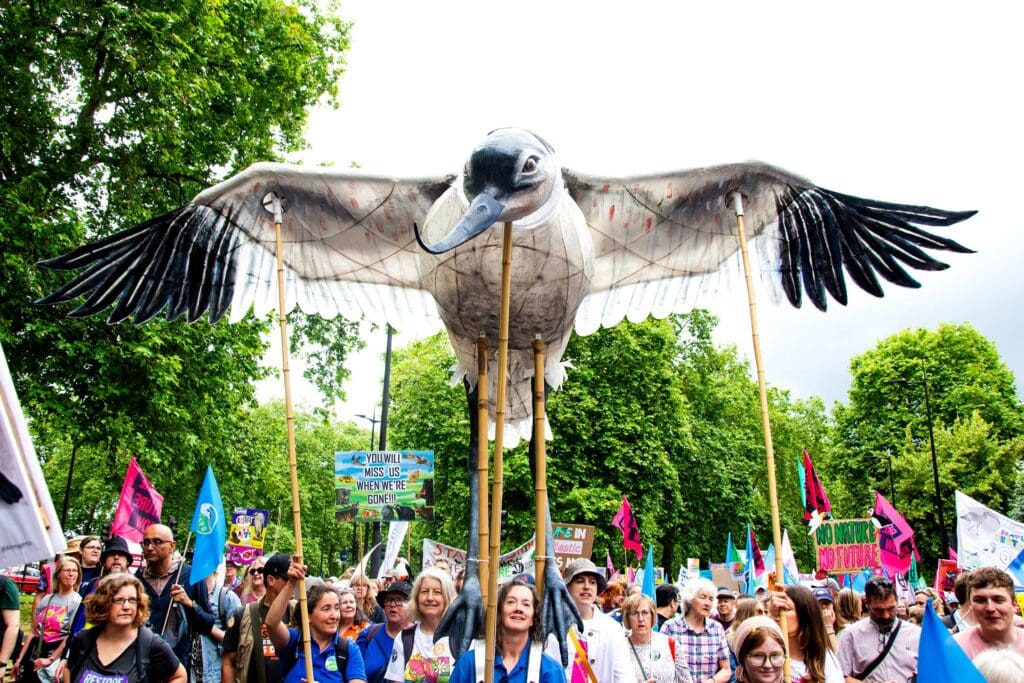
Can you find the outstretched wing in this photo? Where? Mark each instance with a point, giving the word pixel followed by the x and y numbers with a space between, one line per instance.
pixel 658 238
pixel 348 249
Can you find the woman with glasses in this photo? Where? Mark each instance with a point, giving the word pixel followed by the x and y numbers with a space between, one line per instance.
pixel 353 620
pixel 745 608
pixel 655 657
pixel 811 658
pixel 118 646
pixel 51 624
pixel 760 651
pixel 253 587
pixel 366 597
pixel 90 549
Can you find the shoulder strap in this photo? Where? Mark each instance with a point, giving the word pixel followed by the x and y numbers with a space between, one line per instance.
pixel 480 659
pixel 256 624
pixel 143 645
pixel 341 655
pixel 533 666
pixel 408 643
pixel 80 646
pixel 881 655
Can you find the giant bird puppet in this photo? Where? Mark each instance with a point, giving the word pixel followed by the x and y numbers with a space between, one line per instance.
pixel 587 251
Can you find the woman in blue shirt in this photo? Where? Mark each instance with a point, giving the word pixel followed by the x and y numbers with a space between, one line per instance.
pixel 335 660
pixel 519 655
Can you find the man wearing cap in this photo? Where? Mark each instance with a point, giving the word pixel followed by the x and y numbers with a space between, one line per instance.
pixel 726 607
pixel 828 614
pixel 377 642
pixel 116 557
pixel 249 656
pixel 602 638
pixel 881 647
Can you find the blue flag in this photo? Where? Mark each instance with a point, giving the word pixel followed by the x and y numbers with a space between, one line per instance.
pixel 648 586
pixel 209 529
pixel 939 658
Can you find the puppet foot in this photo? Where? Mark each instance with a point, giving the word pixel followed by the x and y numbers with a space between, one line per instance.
pixel 464 618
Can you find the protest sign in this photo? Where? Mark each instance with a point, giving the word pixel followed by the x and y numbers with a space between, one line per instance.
pixel 384 486
pixel 509 564
pixel 572 541
pixel 985 537
pixel 945 576
pixel 245 537
pixel 846 546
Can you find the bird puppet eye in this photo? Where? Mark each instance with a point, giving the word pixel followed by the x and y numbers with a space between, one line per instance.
pixel 530 165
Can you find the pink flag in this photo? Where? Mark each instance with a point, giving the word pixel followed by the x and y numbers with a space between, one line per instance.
pixel 138 507
pixel 625 522
pixel 609 565
pixel 895 537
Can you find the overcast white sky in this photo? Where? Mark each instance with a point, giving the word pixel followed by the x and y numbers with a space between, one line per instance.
pixel 909 102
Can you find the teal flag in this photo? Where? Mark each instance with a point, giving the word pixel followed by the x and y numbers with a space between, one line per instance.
pixel 648 585
pixel 209 529
pixel 939 658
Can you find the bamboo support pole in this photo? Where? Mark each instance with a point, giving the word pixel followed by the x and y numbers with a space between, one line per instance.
pixel 482 465
pixel 499 446
pixel 293 468
pixel 540 483
pixel 736 200
pixel 177 577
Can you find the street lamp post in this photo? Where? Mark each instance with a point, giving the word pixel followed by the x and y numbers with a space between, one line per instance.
pixel 373 424
pixel 943 536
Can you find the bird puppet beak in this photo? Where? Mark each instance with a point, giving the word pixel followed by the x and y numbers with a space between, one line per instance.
pixel 480 215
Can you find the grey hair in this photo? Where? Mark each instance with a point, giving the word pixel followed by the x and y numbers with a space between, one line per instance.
pixel 412 608
pixel 693 588
pixel 1000 666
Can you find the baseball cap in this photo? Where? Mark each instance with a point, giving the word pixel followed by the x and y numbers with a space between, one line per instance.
pixel 524 577
pixel 403 588
pixel 277 566
pixel 823 595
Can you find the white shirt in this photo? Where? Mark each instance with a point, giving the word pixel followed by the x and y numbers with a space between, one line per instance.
pixel 833 673
pixel 606 649
pixel 424 648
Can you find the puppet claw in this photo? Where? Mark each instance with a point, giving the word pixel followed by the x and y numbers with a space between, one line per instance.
pixel 464 617
pixel 559 611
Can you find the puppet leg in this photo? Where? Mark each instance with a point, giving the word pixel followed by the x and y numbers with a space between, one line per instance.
pixel 558 611
pixel 465 616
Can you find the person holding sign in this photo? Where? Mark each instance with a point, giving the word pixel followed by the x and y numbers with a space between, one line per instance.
pixel 335 659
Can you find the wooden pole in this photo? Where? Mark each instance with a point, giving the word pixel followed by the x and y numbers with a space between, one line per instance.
pixel 499 446
pixel 762 389
pixel 177 577
pixel 540 483
pixel 482 465
pixel 293 468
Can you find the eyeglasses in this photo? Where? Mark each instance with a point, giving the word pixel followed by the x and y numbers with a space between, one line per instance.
pixel 93 547
pixel 645 615
pixel 155 542
pixel 761 658
pixel 125 602
pixel 393 601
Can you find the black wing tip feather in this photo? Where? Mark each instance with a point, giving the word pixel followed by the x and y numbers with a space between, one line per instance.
pixel 144 269
pixel 823 232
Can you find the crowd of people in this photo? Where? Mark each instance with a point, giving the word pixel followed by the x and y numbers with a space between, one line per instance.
pixel 99 620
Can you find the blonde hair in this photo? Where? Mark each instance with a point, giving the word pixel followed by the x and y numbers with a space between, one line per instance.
pixel 412 608
pixel 639 603
pixel 67 559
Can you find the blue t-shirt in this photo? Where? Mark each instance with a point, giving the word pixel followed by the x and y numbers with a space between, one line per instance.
pixel 376 653
pixel 325 665
pixel 465 669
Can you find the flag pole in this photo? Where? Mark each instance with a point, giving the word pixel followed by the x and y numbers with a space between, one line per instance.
pixel 498 484
pixel 736 199
pixel 177 576
pixel 273 203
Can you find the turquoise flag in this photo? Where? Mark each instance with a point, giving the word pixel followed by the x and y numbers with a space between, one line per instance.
pixel 209 529
pixel 648 586
pixel 939 658
pixel 731 555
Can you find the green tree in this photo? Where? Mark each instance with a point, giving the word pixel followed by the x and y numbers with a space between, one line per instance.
pixel 115 112
pixel 971 395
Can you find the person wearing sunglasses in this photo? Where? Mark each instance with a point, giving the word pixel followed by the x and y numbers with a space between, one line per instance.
pixel 177 607
pixel 760 651
pixel 118 647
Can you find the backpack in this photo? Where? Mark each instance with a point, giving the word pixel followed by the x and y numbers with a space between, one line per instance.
pixel 85 642
pixel 408 643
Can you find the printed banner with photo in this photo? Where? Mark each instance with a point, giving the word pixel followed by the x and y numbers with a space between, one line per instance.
pixel 245 538
pixel 32 529
pixel 384 486
pixel 985 537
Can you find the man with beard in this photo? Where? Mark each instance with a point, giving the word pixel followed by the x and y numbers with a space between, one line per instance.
pixel 881 647
pixel 990 594
pixel 115 557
